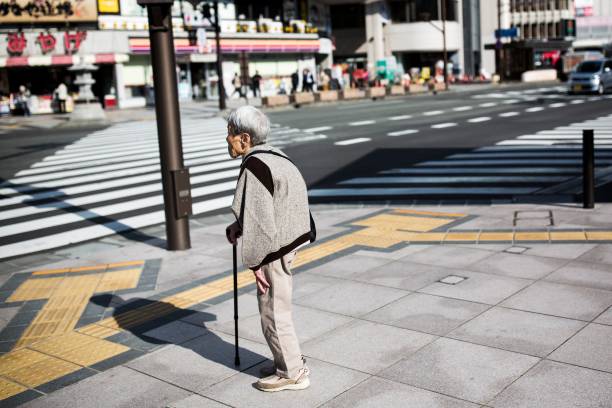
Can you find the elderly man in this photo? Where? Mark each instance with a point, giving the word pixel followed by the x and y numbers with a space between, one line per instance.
pixel 272 217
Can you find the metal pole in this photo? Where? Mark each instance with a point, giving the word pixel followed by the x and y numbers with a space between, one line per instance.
pixel 236 352
pixel 168 119
pixel 588 169
pixel 221 92
pixel 444 45
pixel 498 45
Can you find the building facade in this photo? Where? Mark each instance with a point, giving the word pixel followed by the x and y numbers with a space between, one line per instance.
pixel 274 40
pixel 537 33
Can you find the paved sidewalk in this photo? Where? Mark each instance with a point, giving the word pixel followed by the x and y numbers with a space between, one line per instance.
pixel 420 306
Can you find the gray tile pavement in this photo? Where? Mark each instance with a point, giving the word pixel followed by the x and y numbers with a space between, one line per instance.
pixel 379 392
pixel 376 326
pixel 366 346
pixel 574 302
pixel 462 370
pixel 557 385
pixel 589 348
pixel 479 287
pixel 427 313
pixel 518 331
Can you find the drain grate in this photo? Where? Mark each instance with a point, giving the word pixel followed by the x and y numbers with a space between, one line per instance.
pixel 452 279
pixel 516 250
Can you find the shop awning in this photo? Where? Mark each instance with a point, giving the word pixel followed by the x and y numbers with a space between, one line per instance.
pixel 58 60
pixel 234 45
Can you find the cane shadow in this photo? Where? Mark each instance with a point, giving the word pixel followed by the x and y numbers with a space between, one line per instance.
pixel 210 346
pixel 55 199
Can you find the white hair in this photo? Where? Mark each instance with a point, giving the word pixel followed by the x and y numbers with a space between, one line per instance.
pixel 247 119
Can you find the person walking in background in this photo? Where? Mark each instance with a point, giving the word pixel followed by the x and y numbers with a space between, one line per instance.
pixel 307 81
pixel 295 81
pixel 237 84
pixel 61 94
pixel 272 217
pixel 256 84
pixel 23 99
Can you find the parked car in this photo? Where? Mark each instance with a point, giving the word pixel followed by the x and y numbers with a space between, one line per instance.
pixel 591 76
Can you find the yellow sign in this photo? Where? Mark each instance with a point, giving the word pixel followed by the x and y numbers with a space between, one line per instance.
pixel 50 11
pixel 109 7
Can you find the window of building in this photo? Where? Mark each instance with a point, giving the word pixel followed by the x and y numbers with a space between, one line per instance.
pixel 421 10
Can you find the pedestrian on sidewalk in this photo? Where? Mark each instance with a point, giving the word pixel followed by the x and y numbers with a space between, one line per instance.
pixel 308 81
pixel 295 80
pixel 256 84
pixel 23 98
pixel 61 94
pixel 273 219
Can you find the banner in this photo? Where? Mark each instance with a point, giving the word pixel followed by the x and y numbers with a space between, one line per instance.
pixel 49 11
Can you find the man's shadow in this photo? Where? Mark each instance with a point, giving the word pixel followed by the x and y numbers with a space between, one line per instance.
pixel 216 349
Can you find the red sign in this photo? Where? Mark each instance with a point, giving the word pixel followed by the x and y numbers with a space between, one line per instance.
pixel 16 43
pixel 47 42
pixel 72 42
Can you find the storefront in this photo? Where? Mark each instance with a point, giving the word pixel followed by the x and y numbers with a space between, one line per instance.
pixel 41 60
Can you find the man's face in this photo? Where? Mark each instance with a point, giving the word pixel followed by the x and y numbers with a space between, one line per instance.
pixel 237 145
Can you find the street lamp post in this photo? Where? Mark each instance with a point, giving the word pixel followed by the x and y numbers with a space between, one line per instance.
pixel 221 92
pixel 175 177
pixel 444 45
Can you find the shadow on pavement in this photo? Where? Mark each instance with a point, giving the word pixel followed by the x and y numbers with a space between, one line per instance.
pixel 216 349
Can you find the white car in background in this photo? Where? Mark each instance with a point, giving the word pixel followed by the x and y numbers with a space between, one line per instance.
pixel 591 76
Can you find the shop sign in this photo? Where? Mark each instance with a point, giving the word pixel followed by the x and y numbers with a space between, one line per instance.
pixel 17 42
pixel 47 42
pixel 72 42
pixel 109 7
pixel 48 11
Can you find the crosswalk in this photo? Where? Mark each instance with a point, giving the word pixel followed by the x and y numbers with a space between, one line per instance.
pixel 109 182
pixel 547 162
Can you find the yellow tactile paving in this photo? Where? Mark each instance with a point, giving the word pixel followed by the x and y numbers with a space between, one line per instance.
pixel 461 236
pixel 59 344
pixel 19 358
pixel 402 222
pixel 432 213
pixel 9 388
pixel 34 289
pixel 101 267
pixel 91 353
pixel 429 237
pixel 496 236
pixel 42 371
pixel 567 236
pixel 599 235
pixel 98 331
pixel 542 236
pixel 124 279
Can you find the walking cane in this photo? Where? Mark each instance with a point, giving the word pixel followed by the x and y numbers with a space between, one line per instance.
pixel 237 353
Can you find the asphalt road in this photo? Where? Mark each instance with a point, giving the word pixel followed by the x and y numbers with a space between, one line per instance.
pixel 519 143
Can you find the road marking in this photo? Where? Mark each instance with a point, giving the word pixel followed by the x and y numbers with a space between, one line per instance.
pixel 488 104
pixel 577 101
pixel 463 108
pixel 479 119
pixel 457 179
pixel 534 109
pixel 508 114
pixel 318 129
pixel 353 141
pixel 362 123
pixel 433 113
pixel 403 132
pixel 401 117
pixel 443 125
pixel 406 191
pixel 490 170
pixel 511 101
pixel 557 105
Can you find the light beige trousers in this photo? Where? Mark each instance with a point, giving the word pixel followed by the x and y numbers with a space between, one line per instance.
pixel 277 320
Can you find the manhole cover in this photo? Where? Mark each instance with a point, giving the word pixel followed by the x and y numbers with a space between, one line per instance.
pixel 452 279
pixel 534 218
